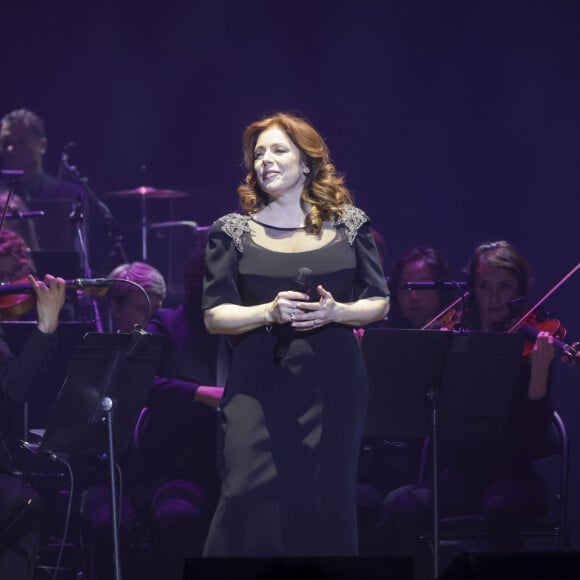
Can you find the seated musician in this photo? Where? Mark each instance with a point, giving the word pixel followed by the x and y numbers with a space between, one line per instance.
pixel 128 307
pixel 389 466
pixel 494 478
pixel 20 509
pixel 24 228
pixel 413 308
pixel 23 145
pixel 15 266
pixel 127 303
pixel 171 481
pixel 15 263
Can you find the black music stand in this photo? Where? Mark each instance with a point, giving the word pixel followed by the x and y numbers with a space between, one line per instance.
pixel 110 377
pixel 36 409
pixel 403 366
pixel 442 384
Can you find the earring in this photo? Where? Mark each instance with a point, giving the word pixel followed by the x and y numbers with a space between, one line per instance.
pixel 307 170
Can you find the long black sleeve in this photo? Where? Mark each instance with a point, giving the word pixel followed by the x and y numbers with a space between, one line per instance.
pixel 17 374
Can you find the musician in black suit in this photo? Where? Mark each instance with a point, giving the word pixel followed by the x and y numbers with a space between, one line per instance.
pixel 23 144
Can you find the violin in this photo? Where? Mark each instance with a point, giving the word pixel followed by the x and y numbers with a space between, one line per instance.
pixel 18 301
pixel 531 322
pixel 538 320
pixel 449 318
pixel 448 321
pixel 13 304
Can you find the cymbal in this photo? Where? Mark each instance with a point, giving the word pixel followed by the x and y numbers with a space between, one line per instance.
pixel 149 192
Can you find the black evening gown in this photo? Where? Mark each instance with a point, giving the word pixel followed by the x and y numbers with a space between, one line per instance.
pixel 292 429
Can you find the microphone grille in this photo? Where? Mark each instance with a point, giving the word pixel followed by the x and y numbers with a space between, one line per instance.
pixel 301 282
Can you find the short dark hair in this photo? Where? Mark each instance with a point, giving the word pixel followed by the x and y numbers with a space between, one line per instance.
pixel 439 267
pixel 26 118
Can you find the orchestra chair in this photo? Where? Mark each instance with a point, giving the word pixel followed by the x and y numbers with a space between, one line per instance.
pixel 457 533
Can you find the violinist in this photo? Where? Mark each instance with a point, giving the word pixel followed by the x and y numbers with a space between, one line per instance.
pixel 496 479
pixel 15 264
pixel 15 267
pixel 413 308
pixel 25 228
pixel 20 509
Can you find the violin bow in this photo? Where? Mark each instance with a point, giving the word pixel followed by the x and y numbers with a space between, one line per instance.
pixel 549 293
pixel 461 298
pixel 7 204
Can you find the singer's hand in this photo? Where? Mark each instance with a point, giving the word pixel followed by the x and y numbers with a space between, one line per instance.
pixel 314 314
pixel 285 308
pixel 49 301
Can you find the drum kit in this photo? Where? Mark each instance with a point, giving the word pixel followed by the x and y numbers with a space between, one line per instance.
pixel 145 193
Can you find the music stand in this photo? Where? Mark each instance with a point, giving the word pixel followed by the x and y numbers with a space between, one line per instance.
pixel 477 387
pixel 35 410
pixel 111 375
pixel 454 385
pixel 403 366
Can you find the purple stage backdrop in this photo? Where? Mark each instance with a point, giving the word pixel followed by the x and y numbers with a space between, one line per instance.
pixel 454 122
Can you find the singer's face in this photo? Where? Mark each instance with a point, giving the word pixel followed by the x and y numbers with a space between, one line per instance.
pixel 21 148
pixel 417 306
pixel 494 287
pixel 278 163
pixel 133 310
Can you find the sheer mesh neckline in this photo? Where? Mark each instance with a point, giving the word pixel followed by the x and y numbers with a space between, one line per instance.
pixel 276 227
pixel 268 248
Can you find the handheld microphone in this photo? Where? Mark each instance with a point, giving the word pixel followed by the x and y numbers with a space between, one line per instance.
pixel 301 283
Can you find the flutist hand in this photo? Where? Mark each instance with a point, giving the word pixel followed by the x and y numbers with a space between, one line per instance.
pixel 49 301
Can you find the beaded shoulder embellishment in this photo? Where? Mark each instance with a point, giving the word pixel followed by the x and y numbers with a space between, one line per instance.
pixel 235 225
pixel 352 218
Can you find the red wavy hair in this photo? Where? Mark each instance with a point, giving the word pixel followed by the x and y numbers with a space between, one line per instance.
pixel 324 188
pixel 11 244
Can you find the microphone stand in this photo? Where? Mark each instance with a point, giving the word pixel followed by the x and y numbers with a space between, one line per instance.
pixel 77 217
pixel 112 228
